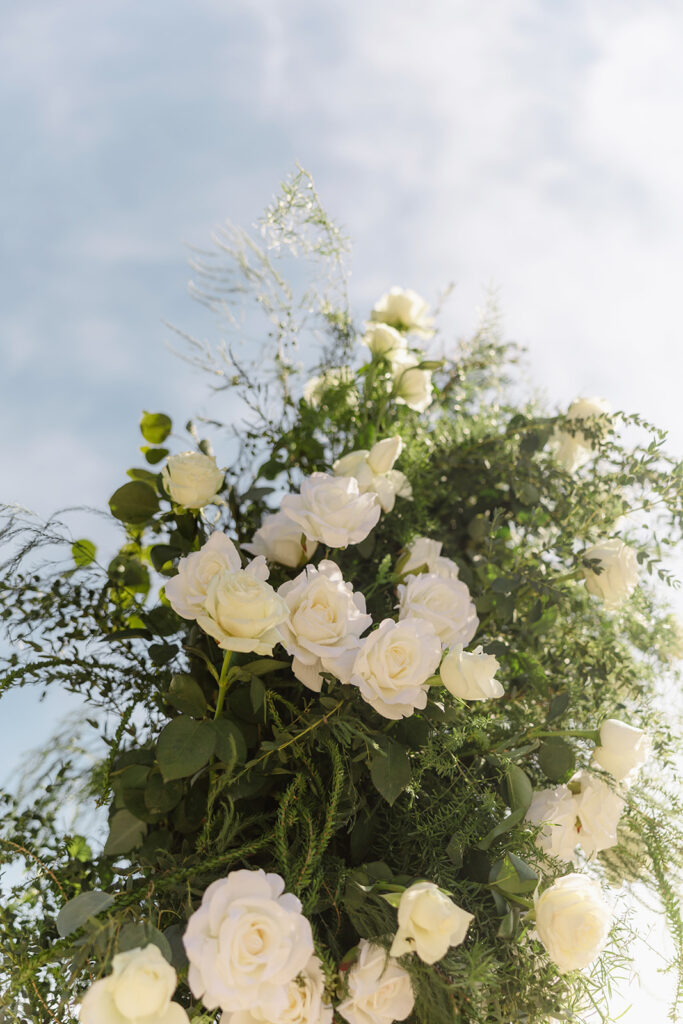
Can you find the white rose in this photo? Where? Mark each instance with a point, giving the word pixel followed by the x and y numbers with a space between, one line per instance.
pixel 187 591
pixel 246 943
pixel 242 612
pixel 556 810
pixel 622 750
pixel 379 989
pixel 412 387
pixel 375 473
pixel 572 450
pixel 393 665
pixel 280 540
pixel 598 809
pixel 425 554
pixel 315 388
pixel 305 1002
pixel 139 989
pixel 573 921
pixel 405 310
pixel 332 510
pixel 428 923
pixel 619 576
pixel 192 479
pixel 383 340
pixel 470 676
pixel 444 603
pixel 325 621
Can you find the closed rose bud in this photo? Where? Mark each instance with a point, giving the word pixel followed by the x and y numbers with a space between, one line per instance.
pixel 619 576
pixel 429 923
pixel 280 539
pixel 383 340
pixel 412 387
pixel 572 450
pixel 622 750
pixel 192 479
pixel 573 922
pixel 470 676
pixel 380 990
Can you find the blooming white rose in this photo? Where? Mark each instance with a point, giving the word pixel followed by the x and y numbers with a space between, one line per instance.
pixel 331 509
pixel 393 665
pixel 138 990
pixel 623 748
pixel 281 540
pixel 379 989
pixel 405 310
pixel 187 591
pixel 428 923
pixel 572 450
pixel 573 921
pixel 242 612
pixel 425 554
pixel 444 603
pixel 315 388
pixel 305 1002
pixel 412 387
pixel 619 576
pixel 598 809
pixel 326 618
pixel 383 340
pixel 556 810
pixel 246 943
pixel 374 471
pixel 470 676
pixel 192 479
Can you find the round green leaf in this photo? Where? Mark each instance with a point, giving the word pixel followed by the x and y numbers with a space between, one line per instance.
pixel 186 695
pixel 184 747
pixel 134 503
pixel 125 833
pixel 76 912
pixel 155 427
pixel 83 552
pixel 557 759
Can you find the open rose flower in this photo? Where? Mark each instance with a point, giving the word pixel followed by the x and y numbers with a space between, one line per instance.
pixel 332 510
pixel 375 473
pixel 619 572
pixel 242 612
pixel 138 991
pixel 429 923
pixel 471 676
pixel 380 991
pixel 405 310
pixel 598 809
pixel 443 602
pixel 281 540
pixel 187 591
pixel 412 386
pixel 622 750
pixel 192 479
pixel 573 922
pixel 306 1002
pixel 383 340
pixel 572 450
pixel 393 665
pixel 424 555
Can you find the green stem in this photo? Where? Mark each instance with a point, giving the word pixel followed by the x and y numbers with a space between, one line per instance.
pixel 223 683
pixel 589 734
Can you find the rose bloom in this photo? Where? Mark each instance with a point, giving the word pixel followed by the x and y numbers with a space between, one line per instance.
pixel 444 603
pixel 471 676
pixel 305 1002
pixel 393 665
pixel 405 310
pixel 139 989
pixel 556 810
pixel 572 450
pixel 383 340
pixel 619 576
pixel 572 921
pixel 622 750
pixel 281 540
pixel 374 471
pixel 598 809
pixel 330 380
pixel 242 612
pixel 326 618
pixel 332 510
pixel 425 555
pixel 187 591
pixel 379 989
pixel 192 479
pixel 412 387
pixel 246 943
pixel 428 923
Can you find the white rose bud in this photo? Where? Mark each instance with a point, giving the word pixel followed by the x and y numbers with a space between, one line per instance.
pixel 556 810
pixel 425 554
pixel 573 922
pixel 332 510
pixel 622 750
pixel 315 388
pixel 405 310
pixel 139 989
pixel 326 618
pixel 428 923
pixel 187 591
pixel 305 1002
pixel 192 479
pixel 471 676
pixel 375 473
pixel 619 576
pixel 246 943
pixel 380 991
pixel 242 612
pixel 572 450
pixel 412 387
pixel 281 540
pixel 443 602
pixel 383 340
pixel 393 665
pixel 598 809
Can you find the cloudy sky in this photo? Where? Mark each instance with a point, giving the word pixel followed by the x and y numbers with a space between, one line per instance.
pixel 536 145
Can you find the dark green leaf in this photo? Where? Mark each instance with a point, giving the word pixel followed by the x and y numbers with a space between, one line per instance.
pixel 154 455
pixel 558 705
pixel 162 554
pixel 144 475
pixel 161 654
pixel 83 552
pixel 125 833
pixel 186 695
pixel 257 693
pixel 174 934
pixel 557 759
pixel 155 427
pixel 134 503
pixel 76 912
pixel 184 747
pixel 161 797
pixel 390 770
pixel 140 935
pixel 501 828
pixel 264 665
pixel 230 746
pixel 454 851
pixel 520 790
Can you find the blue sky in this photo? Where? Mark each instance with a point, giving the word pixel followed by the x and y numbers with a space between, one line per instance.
pixel 534 144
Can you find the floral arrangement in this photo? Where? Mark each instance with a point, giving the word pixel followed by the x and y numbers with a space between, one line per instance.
pixel 379 709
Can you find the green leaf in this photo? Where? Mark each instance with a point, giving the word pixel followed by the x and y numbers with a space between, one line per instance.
pixel 78 849
pixel 520 790
pixel 161 797
pixel 155 427
pixel 161 554
pixel 390 770
pixel 184 747
pixel 76 912
pixel 513 876
pixel 161 654
pixel 174 934
pixel 558 706
pixel 186 695
pixel 140 935
pixel 83 552
pixel 144 475
pixel 230 745
pixel 557 759
pixel 501 828
pixel 454 851
pixel 125 833
pixel 257 693
pixel 264 665
pixel 154 455
pixel 134 503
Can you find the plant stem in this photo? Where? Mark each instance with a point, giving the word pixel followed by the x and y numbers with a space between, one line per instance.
pixel 223 683
pixel 589 734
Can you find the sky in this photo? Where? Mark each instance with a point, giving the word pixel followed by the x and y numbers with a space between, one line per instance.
pixel 535 146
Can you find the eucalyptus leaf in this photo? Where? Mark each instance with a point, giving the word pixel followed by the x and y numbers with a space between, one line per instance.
pixel 390 770
pixel 184 747
pixel 155 427
pixel 76 912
